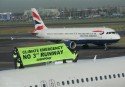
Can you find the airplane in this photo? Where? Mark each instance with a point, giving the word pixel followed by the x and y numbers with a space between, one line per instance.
pixel 101 36
pixel 107 72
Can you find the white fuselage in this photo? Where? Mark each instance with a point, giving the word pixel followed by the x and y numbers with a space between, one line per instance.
pixel 81 35
pixel 95 35
pixel 108 72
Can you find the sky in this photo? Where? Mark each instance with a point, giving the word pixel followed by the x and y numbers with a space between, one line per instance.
pixel 21 5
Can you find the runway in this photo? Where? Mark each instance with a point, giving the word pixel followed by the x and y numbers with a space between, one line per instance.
pixel 6 47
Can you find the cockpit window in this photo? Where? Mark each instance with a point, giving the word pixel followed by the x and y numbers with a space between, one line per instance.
pixel 111 33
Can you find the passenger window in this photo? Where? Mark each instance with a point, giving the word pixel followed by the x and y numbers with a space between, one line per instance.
pixel 114 75
pixel 73 82
pixel 87 79
pixel 68 82
pixel 63 83
pixel 44 85
pixel 123 75
pixel 77 80
pixel 91 79
pixel 96 78
pixel 36 85
pixel 82 80
pixel 118 75
pixel 105 77
pixel 100 77
pixel 110 77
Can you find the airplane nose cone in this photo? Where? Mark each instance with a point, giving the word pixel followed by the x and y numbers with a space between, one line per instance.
pixel 118 37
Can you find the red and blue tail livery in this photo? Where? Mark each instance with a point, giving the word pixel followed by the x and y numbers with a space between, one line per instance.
pixel 39 25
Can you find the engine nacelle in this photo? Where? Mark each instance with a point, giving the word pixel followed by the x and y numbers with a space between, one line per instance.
pixel 70 44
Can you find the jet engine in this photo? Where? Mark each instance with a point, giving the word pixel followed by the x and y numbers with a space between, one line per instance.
pixel 70 44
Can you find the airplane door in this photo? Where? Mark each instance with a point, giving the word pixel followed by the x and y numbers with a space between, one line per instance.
pixel 44 84
pixel 52 83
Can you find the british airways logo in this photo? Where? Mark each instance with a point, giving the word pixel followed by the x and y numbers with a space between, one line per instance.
pixel 99 31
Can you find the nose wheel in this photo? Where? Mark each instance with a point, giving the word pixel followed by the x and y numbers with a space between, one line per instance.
pixel 106 47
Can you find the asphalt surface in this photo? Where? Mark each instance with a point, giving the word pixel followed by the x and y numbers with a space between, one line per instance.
pixel 60 24
pixel 7 45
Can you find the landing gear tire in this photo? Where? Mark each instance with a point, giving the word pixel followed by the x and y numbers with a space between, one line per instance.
pixel 75 60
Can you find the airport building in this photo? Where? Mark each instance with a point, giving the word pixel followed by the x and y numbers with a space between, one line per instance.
pixel 49 12
pixel 66 13
pixel 6 16
pixel 93 12
pixel 45 13
pixel 121 9
pixel 75 13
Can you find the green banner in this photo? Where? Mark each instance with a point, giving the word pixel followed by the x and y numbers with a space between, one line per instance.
pixel 39 54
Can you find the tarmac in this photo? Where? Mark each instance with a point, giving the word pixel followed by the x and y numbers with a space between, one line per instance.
pixel 7 45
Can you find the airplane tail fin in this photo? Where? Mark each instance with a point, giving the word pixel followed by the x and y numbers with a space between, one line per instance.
pixel 39 24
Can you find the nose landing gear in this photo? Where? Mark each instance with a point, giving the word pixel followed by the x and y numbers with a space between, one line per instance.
pixel 106 47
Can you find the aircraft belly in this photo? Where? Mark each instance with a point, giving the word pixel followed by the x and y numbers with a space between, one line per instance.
pixel 96 41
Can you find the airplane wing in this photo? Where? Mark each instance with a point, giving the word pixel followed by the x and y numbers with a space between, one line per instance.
pixel 24 38
pixel 36 38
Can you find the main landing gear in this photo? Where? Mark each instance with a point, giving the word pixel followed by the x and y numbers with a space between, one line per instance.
pixel 86 46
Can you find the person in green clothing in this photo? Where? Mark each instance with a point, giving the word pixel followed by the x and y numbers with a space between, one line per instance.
pixel 17 60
